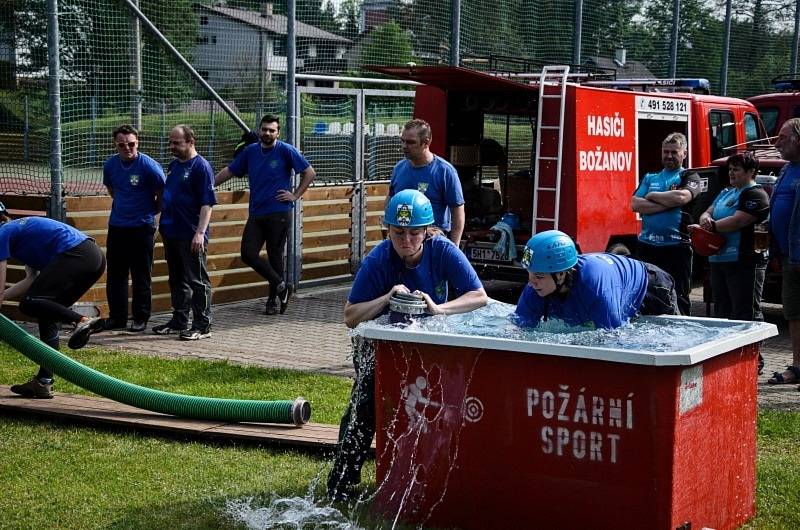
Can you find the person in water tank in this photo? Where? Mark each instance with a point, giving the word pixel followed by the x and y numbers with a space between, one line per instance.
pixel 416 259
pixel 596 290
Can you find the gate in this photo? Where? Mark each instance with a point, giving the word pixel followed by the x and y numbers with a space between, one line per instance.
pixel 352 138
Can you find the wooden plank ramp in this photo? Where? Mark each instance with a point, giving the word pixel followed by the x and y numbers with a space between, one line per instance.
pixel 101 411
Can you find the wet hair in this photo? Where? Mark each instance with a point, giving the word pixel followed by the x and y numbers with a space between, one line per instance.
pixel 188 133
pixel 270 118
pixel 125 129
pixel 745 160
pixel 422 127
pixel 676 138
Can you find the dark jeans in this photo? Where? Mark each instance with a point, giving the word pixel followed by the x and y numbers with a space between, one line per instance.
pixel 270 229
pixel 675 260
pixel 189 285
pixel 58 286
pixel 357 427
pixel 736 289
pixel 660 298
pixel 129 251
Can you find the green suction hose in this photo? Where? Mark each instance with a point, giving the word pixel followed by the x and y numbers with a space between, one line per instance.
pixel 297 412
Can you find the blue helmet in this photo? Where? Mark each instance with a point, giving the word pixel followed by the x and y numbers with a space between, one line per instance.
pixel 550 251
pixel 408 208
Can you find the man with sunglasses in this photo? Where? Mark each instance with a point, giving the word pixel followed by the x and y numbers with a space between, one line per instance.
pixel 135 182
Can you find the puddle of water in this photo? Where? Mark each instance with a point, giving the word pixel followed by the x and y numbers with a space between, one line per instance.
pixel 288 513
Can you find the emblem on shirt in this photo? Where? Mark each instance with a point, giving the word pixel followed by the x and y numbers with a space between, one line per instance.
pixel 441 289
pixel 186 174
pixel 404 214
pixel 527 257
pixel 273 164
pixel 422 187
pixel 134 180
pixel 750 205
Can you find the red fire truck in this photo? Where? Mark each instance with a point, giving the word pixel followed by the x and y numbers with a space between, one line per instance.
pixel 779 106
pixel 561 150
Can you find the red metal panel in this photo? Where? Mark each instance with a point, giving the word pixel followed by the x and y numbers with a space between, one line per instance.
pixel 473 438
pixel 452 77
pixel 430 104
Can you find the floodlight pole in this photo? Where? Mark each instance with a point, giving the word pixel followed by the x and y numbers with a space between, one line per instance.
pixel 55 208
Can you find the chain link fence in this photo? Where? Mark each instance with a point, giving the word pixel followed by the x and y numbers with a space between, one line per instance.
pixel 114 71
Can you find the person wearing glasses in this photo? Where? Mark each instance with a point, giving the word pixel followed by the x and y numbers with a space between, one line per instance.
pixel 135 182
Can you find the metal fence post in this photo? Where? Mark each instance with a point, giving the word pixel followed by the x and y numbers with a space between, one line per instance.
pixel 212 134
pixel 55 208
pixel 162 142
pixel 796 37
pixel 726 43
pixel 578 29
pixel 136 71
pixel 455 32
pixel 673 48
pixel 26 132
pixel 93 130
pixel 294 245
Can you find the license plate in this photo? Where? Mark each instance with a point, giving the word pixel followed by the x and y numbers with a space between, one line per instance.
pixel 485 254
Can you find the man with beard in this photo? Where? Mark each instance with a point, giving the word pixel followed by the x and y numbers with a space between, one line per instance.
pixel 185 214
pixel 660 199
pixel 268 165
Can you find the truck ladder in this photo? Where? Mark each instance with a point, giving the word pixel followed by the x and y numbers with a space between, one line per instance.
pixel 552 87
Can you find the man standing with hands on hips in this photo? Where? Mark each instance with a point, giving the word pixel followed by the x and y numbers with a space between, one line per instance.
pixel 268 165
pixel 185 214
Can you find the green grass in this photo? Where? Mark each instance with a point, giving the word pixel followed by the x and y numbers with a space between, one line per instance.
pixel 63 475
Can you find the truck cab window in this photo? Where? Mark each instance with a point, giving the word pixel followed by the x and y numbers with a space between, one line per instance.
pixel 722 127
pixel 751 129
pixel 769 116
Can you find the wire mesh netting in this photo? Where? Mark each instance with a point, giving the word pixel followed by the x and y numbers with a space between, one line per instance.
pixel 240 48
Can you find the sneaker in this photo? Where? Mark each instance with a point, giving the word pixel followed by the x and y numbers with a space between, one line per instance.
pixel 34 389
pixel 114 324
pixel 195 334
pixel 168 328
pixel 283 297
pixel 84 330
pixel 271 307
pixel 137 327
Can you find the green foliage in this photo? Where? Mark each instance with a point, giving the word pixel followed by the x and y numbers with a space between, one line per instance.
pixel 387 45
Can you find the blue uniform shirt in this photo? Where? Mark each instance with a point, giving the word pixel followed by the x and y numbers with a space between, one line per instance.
pixel 268 171
pixel 751 199
pixel 190 185
pixel 783 199
pixel 438 181
pixel 35 241
pixel 667 227
pixel 607 291
pixel 135 185
pixel 442 263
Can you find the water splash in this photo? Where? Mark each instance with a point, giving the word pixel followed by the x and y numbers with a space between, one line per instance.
pixel 288 512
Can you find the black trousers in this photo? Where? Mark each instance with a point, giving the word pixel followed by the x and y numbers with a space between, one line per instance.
pixel 357 427
pixel 129 251
pixel 736 289
pixel 660 298
pixel 58 286
pixel 675 260
pixel 189 285
pixel 271 230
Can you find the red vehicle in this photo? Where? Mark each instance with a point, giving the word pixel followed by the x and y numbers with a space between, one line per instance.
pixel 562 151
pixel 777 107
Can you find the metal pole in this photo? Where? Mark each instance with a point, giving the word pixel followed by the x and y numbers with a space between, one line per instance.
pixel 26 133
pixel 189 68
pixel 576 37
pixel 55 208
pixel 212 134
pixel 162 142
pixel 93 133
pixel 726 43
pixel 796 39
pixel 455 32
pixel 673 51
pixel 294 252
pixel 261 81
pixel 136 71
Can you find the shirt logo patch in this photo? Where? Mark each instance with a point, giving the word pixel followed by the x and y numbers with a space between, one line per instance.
pixel 441 289
pixel 527 257
pixel 134 180
pixel 186 174
pixel 422 187
pixel 751 204
pixel 273 164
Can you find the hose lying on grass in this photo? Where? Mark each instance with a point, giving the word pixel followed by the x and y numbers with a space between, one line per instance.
pixel 297 412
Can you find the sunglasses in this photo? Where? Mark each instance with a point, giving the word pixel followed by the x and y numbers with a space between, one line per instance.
pixel 122 145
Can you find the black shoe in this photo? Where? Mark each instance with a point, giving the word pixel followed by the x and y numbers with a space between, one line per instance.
pixel 271 307
pixel 84 330
pixel 34 389
pixel 195 334
pixel 114 324
pixel 168 328
pixel 137 327
pixel 283 297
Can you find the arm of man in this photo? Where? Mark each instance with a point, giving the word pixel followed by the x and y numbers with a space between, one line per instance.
pixel 354 314
pixel 306 178
pixel 670 199
pixel 19 288
pixel 643 206
pixel 223 175
pixel 199 240
pixel 457 219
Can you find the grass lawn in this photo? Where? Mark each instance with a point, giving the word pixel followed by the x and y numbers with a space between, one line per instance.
pixel 61 475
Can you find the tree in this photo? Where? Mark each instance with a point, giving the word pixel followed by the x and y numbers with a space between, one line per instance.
pixel 387 45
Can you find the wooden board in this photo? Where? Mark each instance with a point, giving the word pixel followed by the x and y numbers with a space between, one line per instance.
pixel 102 411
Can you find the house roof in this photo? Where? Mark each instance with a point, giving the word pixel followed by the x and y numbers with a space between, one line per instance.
pixel 631 68
pixel 273 23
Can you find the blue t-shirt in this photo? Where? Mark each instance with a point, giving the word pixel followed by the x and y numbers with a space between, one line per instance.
pixel 35 241
pixel 135 185
pixel 667 227
pixel 438 181
pixel 607 291
pixel 268 171
pixel 190 185
pixel 751 199
pixel 442 263
pixel 783 197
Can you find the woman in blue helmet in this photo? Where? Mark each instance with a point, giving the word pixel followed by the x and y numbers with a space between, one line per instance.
pixel 596 290
pixel 416 258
